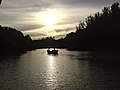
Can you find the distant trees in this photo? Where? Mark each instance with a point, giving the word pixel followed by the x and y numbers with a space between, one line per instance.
pixel 45 42
pixel 100 31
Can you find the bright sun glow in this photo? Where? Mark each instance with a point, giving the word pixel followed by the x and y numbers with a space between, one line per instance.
pixel 49 19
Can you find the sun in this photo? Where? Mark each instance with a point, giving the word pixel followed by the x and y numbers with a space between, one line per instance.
pixel 49 19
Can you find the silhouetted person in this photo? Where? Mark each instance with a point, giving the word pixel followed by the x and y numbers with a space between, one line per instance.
pixel 0 1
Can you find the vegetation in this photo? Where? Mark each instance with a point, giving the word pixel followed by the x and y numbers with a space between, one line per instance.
pixel 100 31
pixel 45 42
pixel 13 41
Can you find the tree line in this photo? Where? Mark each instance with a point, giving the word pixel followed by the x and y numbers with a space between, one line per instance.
pixel 13 41
pixel 98 31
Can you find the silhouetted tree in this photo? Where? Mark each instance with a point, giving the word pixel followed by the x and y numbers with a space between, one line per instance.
pixel 0 1
pixel 100 31
pixel 115 8
pixel 13 41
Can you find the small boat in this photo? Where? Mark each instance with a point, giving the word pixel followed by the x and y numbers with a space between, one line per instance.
pixel 54 52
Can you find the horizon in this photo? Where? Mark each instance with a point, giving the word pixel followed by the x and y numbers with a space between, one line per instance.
pixel 46 18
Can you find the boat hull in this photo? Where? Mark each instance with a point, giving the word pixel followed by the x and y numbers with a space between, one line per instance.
pixel 55 52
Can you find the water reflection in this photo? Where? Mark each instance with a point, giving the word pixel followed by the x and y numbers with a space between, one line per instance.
pixel 70 70
pixel 51 72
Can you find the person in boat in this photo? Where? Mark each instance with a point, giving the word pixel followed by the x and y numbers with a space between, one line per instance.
pixel 52 51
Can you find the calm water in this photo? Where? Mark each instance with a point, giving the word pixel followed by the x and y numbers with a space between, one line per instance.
pixel 70 70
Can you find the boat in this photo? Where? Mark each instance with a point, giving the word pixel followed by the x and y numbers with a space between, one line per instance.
pixel 52 51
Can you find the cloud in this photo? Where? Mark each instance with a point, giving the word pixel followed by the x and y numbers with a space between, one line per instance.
pixel 59 30
pixel 59 36
pixel 20 14
pixel 20 11
pixel 29 27
pixel 37 35
pixel 92 3
pixel 24 3
pixel 64 30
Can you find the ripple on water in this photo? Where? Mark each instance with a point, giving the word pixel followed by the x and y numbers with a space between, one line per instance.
pixel 70 70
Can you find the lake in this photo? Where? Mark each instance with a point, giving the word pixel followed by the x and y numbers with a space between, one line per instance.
pixel 69 70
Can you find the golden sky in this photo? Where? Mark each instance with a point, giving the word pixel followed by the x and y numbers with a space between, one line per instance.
pixel 43 18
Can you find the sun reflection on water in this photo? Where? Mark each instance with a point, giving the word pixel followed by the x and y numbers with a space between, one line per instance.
pixel 51 62
pixel 51 73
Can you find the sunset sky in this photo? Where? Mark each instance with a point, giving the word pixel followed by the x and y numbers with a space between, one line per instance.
pixel 43 18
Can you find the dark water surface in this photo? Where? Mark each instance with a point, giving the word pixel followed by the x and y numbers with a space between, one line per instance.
pixel 70 70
